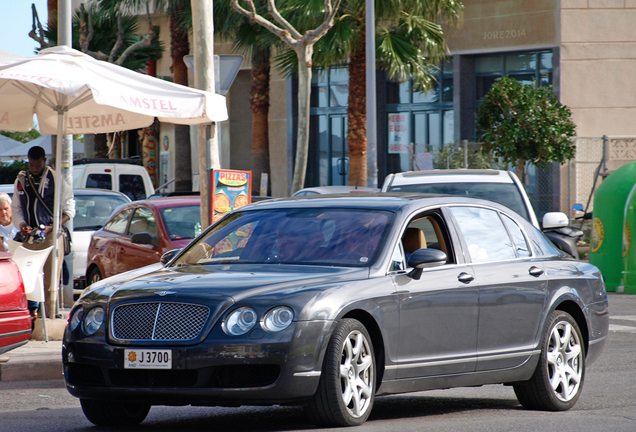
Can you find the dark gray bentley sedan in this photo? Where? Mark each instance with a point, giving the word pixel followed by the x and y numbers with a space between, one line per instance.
pixel 330 301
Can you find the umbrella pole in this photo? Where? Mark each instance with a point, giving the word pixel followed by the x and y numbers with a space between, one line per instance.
pixel 54 283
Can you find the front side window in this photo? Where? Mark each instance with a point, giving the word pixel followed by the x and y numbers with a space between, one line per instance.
pixel 119 222
pixel 143 221
pixel 485 235
pixel 333 237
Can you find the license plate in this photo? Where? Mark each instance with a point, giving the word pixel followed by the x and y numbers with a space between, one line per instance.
pixel 147 359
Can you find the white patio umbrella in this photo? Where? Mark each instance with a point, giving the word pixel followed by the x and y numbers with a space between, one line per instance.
pixel 72 93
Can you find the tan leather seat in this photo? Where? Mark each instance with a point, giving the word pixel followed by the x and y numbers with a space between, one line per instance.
pixel 413 239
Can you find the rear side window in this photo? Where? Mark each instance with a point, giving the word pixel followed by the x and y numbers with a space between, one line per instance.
pixel 99 181
pixel 133 186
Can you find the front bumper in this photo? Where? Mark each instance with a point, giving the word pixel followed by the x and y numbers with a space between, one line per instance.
pixel 219 371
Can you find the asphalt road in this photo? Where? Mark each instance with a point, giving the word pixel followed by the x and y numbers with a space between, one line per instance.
pixel 608 403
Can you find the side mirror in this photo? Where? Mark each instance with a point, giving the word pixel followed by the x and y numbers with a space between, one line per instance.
pixel 555 220
pixel 145 238
pixel 425 258
pixel 167 257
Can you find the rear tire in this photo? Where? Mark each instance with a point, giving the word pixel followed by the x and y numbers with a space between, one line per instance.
pixel 558 380
pixel 93 276
pixel 346 390
pixel 109 413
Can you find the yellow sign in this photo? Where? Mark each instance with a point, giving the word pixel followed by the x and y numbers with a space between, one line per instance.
pixel 598 233
pixel 627 238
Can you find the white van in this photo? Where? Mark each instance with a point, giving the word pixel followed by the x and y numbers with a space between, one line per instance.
pixel 114 174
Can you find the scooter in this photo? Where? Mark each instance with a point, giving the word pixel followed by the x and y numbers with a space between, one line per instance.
pixel 564 236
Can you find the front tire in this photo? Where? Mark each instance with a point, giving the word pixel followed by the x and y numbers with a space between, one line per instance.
pixel 346 390
pixel 109 413
pixel 558 380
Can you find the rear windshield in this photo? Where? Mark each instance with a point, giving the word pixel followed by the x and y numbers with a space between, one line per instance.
pixel 503 193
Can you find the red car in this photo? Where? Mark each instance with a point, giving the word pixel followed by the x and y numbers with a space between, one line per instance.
pixel 138 233
pixel 15 319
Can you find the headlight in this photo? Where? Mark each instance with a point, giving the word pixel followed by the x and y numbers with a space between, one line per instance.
pixel 76 318
pixel 278 319
pixel 240 321
pixel 94 319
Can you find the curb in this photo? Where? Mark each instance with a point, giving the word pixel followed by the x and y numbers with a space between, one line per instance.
pixel 41 369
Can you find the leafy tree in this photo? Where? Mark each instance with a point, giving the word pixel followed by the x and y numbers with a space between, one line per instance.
pixel 179 47
pixel 9 172
pixel 23 137
pixel 301 41
pixel 409 44
pixel 255 42
pixel 451 156
pixel 526 123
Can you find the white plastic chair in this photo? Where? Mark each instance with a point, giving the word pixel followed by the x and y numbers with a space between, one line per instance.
pixel 31 266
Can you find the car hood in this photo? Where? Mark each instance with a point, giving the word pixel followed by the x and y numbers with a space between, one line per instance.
pixel 222 282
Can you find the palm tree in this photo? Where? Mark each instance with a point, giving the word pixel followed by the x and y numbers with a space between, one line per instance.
pixel 254 41
pixel 299 36
pixel 409 44
pixel 179 47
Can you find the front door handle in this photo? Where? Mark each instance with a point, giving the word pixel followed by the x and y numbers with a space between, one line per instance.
pixel 535 271
pixel 465 277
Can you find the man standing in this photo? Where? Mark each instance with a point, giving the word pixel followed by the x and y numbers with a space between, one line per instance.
pixel 7 229
pixel 33 199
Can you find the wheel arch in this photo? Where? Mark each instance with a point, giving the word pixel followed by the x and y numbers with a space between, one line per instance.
pixel 376 338
pixel 575 311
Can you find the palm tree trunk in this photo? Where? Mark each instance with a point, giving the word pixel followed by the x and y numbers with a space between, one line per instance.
pixel 179 47
pixel 259 102
pixel 357 116
pixel 304 54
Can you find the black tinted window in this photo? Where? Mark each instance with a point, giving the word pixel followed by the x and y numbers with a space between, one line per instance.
pixel 99 181
pixel 133 186
pixel 503 193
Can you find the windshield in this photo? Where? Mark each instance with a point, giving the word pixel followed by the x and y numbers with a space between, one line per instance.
pixel 92 211
pixel 181 222
pixel 503 193
pixel 335 237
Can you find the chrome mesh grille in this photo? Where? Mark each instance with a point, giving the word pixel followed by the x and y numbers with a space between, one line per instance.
pixel 158 321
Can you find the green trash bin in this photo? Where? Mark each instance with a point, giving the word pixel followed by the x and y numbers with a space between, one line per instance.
pixel 607 224
pixel 629 249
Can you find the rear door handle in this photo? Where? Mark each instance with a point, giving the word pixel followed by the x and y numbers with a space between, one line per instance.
pixel 465 277
pixel 535 271
pixel 122 251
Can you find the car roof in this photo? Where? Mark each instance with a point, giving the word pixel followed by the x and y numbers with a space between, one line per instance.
pixel 95 191
pixel 391 201
pixel 454 175
pixel 177 201
pixel 337 189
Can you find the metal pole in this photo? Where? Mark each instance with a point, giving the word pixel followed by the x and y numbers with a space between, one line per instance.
pixel 64 165
pixel 207 136
pixel 372 138
pixel 466 153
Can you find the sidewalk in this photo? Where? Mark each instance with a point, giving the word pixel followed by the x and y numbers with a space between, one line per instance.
pixel 37 359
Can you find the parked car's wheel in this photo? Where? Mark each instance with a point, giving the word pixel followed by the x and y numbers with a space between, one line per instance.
pixel 109 413
pixel 347 384
pixel 558 379
pixel 93 276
